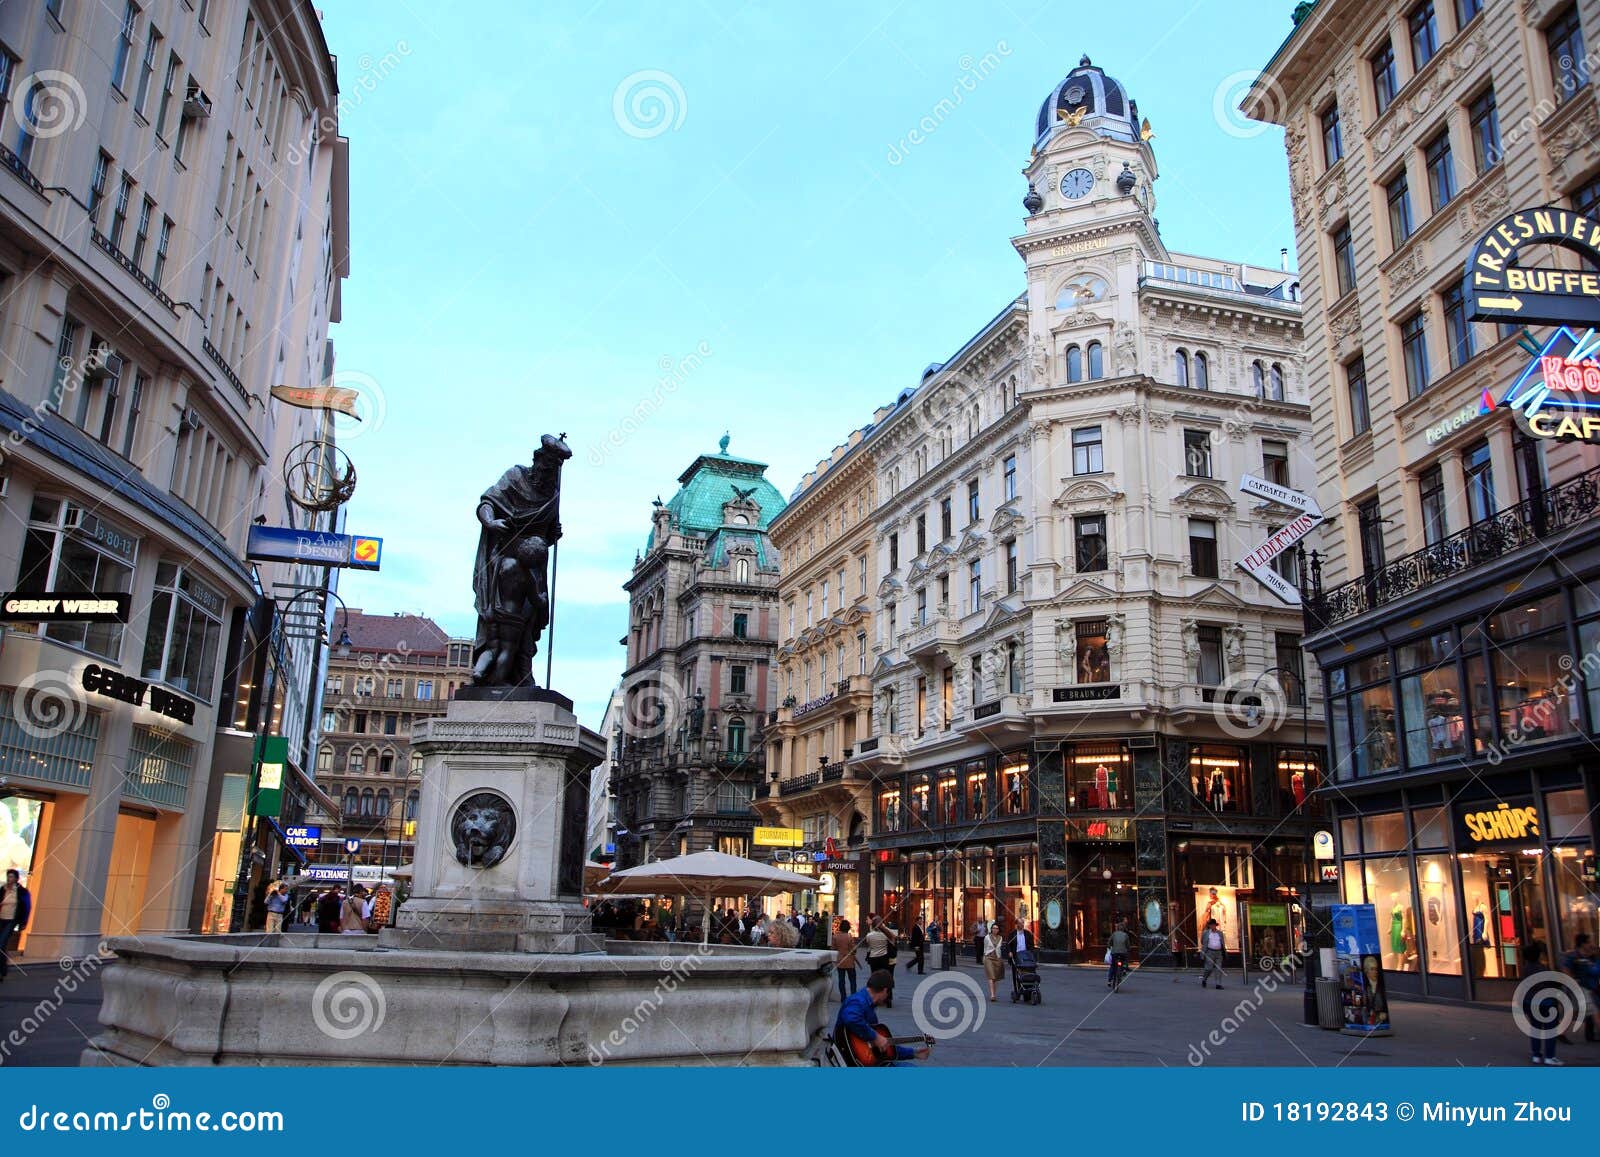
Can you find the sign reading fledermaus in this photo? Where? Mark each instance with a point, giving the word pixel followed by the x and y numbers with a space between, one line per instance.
pixel 1503 288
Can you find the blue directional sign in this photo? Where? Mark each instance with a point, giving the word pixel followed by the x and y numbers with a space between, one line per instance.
pixel 302 836
pixel 322 547
pixel 819 857
pixel 352 846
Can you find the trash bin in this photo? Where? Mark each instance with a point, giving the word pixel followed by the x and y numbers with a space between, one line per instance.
pixel 935 956
pixel 1330 1009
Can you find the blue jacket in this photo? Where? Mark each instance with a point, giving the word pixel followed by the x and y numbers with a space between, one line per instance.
pixel 24 906
pixel 858 1016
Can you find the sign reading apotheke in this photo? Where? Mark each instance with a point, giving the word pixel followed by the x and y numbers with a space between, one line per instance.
pixel 1486 825
pixel 1503 289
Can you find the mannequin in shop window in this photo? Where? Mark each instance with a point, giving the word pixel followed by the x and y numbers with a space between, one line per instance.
pixel 1216 790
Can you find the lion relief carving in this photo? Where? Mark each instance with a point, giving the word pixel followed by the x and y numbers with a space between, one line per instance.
pixel 482 829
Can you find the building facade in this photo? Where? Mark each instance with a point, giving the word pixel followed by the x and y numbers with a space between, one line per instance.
pixel 826 595
pixel 1450 602
pixel 173 235
pixel 698 687
pixel 397 671
pixel 1083 711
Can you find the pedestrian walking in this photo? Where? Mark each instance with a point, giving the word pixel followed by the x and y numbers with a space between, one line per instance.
pixel 844 947
pixel 1584 966
pixel 979 931
pixel 1211 947
pixel 16 905
pixel 277 905
pixel 353 913
pixel 919 948
pixel 992 953
pixel 879 951
pixel 328 911
pixel 1541 1006
pixel 1117 950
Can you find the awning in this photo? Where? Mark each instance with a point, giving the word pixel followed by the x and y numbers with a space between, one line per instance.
pixel 283 838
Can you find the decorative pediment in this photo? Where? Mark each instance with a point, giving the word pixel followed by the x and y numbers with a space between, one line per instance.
pixel 972 544
pixel 919 570
pixel 1217 599
pixel 1005 518
pixel 1087 493
pixel 1085 590
pixel 1206 496
pixel 938 553
pixel 889 587
pixel 883 666
pixel 1003 611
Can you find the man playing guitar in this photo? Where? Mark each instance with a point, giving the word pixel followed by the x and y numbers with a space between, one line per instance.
pixel 858 1029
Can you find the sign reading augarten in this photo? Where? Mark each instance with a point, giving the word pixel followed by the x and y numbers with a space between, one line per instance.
pixel 115 685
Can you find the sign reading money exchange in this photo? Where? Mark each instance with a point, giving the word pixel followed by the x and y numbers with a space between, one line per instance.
pixel 1502 287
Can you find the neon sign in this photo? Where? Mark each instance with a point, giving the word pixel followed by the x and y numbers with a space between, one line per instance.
pixel 1565 377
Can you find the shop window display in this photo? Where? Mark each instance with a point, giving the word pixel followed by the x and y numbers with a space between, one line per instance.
pixel 1388 885
pixel 1428 825
pixel 1217 778
pixel 1441 936
pixel 1384 833
pixel 1504 893
pixel 1430 700
pixel 1299 774
pixel 1014 784
pixel 1352 883
pixel 1574 871
pixel 949 798
pixel 977 791
pixel 1102 776
pixel 921 801
pixel 889 811
pixel 1093 656
pixel 1529 679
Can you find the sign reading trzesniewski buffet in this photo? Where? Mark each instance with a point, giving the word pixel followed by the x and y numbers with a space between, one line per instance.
pixel 1502 288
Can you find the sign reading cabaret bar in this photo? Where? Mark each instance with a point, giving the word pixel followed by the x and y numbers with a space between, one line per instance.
pixel 1502 288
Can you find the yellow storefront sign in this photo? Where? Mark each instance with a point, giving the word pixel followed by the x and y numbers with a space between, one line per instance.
pixel 779 838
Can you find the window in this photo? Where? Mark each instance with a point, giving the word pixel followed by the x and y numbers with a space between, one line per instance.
pixel 1286 564
pixel 1423 25
pixel 424 689
pixel 1099 776
pixel 894 552
pixel 922 534
pixel 1089 533
pixel 1332 143
pixel 1414 348
pixel 1478 474
pixel 1398 194
pixel 1467 11
pixel 1430 700
pixel 889 811
pixel 174 65
pixel 1586 199
pixel 1385 81
pixel 325 754
pixel 68 550
pixel 977 790
pixel 97 186
pixel 1457 328
pixel 1290 661
pixel 1275 383
pixel 1430 492
pixel 1180 368
pixel 1275 462
pixel 1369 525
pixel 124 49
pixel 1014 784
pixel 1217 777
pixel 922 605
pixel 1563 39
pixel 741 625
pixel 185 627
pixel 824 598
pixel 352 797
pixel 1097 361
pixel 147 68
pixel 141 236
pixel 141 387
pixel 1203 547
pixel 68 373
pixel 1208 662
pixel 974 585
pixel 119 214
pixel 1074 364
pixel 972 501
pixel 1355 376
pixel 163 244
pixel 737 676
pixel 1010 549
pixel 945 530
pixel 367 802
pixel 861 575
pixel 1202 371
pixel 922 705
pixel 736 736
pixel 1441 171
pixel 394 688
pixel 1484 120
pixel 1093 657
pixel 1009 473
pixel 1087 452
pixel 1258 379
pixel 975 680
pixel 1344 259
pixel 1197 453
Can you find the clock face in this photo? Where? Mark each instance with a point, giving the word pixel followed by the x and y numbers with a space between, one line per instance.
pixel 1076 184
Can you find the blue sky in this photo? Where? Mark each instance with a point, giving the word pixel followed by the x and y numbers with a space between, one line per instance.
pixel 531 245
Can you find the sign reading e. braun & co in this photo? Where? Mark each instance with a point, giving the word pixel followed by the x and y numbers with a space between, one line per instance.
pixel 1503 289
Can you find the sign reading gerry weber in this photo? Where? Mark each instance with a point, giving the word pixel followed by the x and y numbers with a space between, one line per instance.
pixel 1484 824
pixel 54 607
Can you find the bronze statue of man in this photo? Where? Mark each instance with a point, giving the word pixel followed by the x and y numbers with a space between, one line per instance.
pixel 520 517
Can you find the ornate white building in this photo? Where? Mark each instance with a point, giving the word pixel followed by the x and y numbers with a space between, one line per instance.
pixel 1083 710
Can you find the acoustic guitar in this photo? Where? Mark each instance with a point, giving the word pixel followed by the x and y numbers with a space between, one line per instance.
pixel 880 1051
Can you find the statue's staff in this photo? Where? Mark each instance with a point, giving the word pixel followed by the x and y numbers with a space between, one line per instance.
pixel 555 558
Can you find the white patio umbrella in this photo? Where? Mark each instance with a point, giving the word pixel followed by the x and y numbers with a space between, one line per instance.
pixel 704 875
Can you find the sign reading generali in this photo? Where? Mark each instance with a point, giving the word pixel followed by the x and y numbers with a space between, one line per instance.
pixel 1485 824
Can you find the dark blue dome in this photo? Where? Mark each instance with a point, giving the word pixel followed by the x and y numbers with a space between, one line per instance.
pixel 1104 104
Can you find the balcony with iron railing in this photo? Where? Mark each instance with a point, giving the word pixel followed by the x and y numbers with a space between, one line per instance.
pixel 20 167
pixel 1540 519
pixel 103 243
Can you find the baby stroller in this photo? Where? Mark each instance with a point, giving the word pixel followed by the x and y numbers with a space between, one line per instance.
pixel 1025 979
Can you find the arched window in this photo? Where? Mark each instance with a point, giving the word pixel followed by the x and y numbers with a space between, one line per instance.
pixel 352 801
pixel 325 759
pixel 1013 668
pixel 358 762
pixel 741 570
pixel 416 763
pixel 736 736
pixel 1180 368
pixel 1276 391
pixel 383 801
pixel 1258 375
pixel 1097 361
pixel 1074 364
pixel 386 763
pixel 366 802
pixel 413 798
pixel 1202 371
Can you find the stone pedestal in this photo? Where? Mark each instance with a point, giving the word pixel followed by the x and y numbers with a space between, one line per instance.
pixel 501 826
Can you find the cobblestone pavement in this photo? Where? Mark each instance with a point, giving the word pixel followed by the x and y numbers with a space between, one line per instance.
pixel 1166 1018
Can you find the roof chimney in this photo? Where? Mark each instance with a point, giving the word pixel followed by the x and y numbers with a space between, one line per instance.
pixel 1283 259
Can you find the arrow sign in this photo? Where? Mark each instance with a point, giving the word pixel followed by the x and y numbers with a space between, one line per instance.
pixel 1272 492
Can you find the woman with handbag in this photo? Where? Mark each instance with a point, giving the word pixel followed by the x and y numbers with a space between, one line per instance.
pixel 994 961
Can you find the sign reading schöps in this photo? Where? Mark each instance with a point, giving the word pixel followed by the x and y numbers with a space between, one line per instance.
pixel 1483 824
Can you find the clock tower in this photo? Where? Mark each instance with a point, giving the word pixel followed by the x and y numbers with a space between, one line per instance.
pixel 1089 226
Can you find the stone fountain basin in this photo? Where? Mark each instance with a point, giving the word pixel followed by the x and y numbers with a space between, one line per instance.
pixel 309 999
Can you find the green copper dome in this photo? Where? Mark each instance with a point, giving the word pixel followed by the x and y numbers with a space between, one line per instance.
pixel 712 482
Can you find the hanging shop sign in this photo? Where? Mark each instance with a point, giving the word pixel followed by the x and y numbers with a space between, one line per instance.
pixel 1558 394
pixel 1322 844
pixel 322 547
pixel 1500 288
pixel 1481 825
pixel 65 607
pixel 778 838
pixel 268 761
pixel 302 836
pixel 335 398
pixel 1258 562
pixel 98 680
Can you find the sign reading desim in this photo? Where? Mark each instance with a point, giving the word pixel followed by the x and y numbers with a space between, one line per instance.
pixel 1503 288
